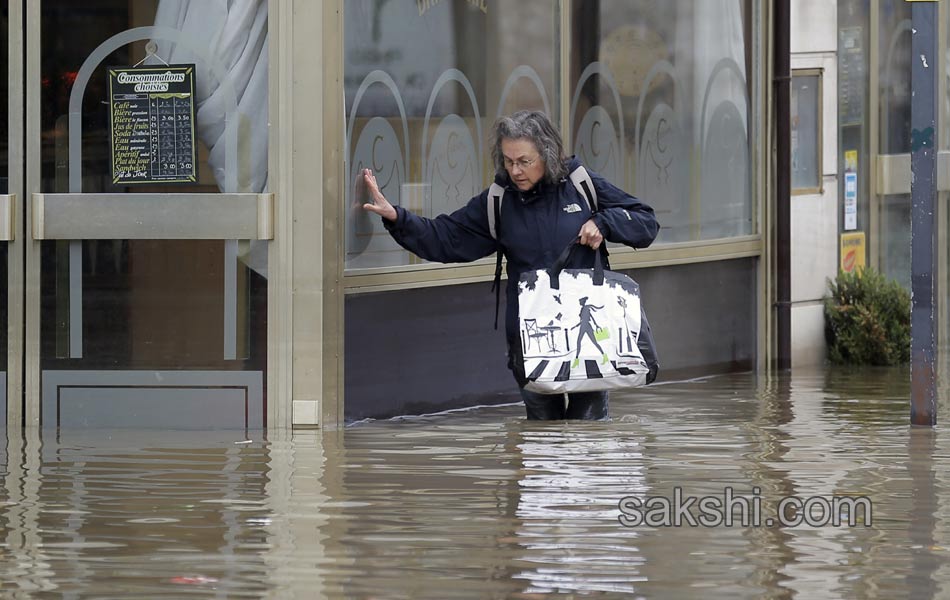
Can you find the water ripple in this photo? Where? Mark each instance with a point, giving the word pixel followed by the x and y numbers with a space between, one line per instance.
pixel 482 504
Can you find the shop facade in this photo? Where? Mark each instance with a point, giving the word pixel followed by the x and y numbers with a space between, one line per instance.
pixel 663 98
pixel 236 282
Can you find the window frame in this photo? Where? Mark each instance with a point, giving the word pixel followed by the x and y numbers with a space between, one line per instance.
pixel 818 74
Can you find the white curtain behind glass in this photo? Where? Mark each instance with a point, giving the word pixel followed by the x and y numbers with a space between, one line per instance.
pixel 680 67
pixel 713 36
pixel 235 35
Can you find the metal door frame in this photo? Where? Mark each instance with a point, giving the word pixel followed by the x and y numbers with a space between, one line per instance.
pixel 79 216
pixel 16 246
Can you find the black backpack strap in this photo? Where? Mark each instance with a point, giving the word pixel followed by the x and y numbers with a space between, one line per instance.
pixel 495 195
pixel 496 285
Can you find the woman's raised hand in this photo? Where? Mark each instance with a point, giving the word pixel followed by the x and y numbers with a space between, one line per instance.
pixel 380 205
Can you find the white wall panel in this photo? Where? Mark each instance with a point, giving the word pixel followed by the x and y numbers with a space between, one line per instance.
pixel 808 335
pixel 814 26
pixel 814 242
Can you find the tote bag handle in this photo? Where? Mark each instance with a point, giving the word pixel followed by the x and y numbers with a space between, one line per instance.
pixel 555 271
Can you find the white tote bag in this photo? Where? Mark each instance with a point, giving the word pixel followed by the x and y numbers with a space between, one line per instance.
pixel 581 330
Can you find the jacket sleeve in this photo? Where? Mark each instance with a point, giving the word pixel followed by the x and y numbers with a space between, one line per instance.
pixel 461 236
pixel 622 218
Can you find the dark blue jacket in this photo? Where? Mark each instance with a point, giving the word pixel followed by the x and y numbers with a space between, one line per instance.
pixel 534 228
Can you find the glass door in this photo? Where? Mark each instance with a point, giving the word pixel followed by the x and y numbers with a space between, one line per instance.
pixel 146 275
pixel 892 207
pixel 894 41
pixel 11 228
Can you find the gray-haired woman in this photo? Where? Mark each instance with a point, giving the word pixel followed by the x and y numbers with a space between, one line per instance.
pixel 540 214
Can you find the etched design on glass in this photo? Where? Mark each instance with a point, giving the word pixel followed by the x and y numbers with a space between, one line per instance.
pixel 597 141
pixel 659 148
pixel 452 171
pixel 726 208
pixel 726 204
pixel 379 148
pixel 663 162
pixel 597 146
pixel 453 164
pixel 376 148
pixel 523 72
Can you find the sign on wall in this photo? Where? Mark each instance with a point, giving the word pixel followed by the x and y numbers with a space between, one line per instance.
pixel 852 251
pixel 851 190
pixel 152 117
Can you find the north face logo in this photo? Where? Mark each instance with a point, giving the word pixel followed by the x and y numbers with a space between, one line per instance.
pixel 572 208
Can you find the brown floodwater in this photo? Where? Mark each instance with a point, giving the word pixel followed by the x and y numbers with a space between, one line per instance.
pixel 482 504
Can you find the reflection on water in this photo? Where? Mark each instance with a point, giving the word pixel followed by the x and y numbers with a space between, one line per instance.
pixel 486 505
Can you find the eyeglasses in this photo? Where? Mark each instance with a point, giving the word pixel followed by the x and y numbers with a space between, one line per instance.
pixel 521 163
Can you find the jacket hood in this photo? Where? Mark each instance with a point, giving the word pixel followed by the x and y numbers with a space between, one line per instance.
pixel 572 163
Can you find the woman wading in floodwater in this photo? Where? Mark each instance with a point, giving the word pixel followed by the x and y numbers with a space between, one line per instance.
pixel 541 213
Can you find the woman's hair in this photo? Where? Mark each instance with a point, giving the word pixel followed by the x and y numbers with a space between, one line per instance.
pixel 535 127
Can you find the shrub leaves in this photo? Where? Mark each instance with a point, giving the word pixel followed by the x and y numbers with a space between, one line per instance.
pixel 867 319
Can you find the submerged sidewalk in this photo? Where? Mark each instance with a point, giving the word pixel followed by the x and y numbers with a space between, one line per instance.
pixel 482 504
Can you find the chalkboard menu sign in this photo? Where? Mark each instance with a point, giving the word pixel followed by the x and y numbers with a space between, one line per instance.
pixel 152 111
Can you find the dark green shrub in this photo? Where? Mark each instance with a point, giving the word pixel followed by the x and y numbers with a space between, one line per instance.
pixel 867 320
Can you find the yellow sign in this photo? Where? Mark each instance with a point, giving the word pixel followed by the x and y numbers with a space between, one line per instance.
pixel 852 251
pixel 851 160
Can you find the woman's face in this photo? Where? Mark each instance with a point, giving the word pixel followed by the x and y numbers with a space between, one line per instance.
pixel 523 163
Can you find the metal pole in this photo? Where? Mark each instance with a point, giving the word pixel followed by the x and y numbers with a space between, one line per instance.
pixel 923 191
pixel 783 185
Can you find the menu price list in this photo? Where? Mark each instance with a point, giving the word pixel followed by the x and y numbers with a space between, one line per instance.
pixel 152 131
